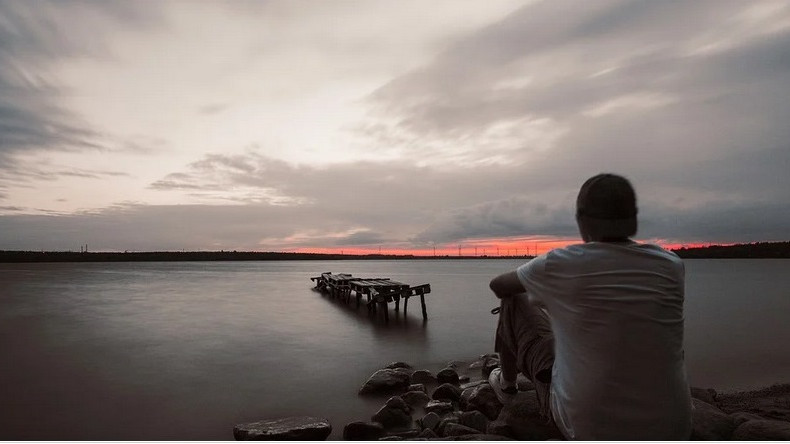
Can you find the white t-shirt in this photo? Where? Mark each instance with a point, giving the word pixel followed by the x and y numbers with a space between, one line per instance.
pixel 616 310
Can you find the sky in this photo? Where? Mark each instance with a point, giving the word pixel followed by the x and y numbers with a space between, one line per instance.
pixel 408 126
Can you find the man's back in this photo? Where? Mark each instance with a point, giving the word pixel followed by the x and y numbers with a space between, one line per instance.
pixel 616 310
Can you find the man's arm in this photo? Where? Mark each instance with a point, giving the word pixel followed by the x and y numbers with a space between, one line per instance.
pixel 506 285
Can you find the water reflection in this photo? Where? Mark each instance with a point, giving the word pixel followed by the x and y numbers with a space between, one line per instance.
pixel 400 326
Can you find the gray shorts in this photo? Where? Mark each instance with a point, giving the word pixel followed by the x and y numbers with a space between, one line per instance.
pixel 524 331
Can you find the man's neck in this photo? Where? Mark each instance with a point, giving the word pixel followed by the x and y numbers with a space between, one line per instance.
pixel 618 240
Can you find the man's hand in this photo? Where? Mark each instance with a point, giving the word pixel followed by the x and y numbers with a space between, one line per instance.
pixel 506 285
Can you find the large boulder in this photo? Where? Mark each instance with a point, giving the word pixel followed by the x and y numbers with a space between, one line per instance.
pixel 395 413
pixel 523 419
pixel 423 377
pixel 297 428
pixel 385 381
pixel 399 364
pixel 762 430
pixel 362 431
pixel 447 376
pixel 709 423
pixel 415 398
pixel 447 391
pixel 481 398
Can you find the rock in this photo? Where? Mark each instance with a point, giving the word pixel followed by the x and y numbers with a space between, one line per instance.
pixel 406 434
pixel 428 433
pixel 762 430
pixel 463 379
pixel 430 421
pixel 524 421
pixel 475 420
pixel 707 395
pixel 769 402
pixel 447 376
pixel 417 388
pixel 481 361
pixel 447 392
pixel 739 418
pixel 709 423
pixel 472 384
pixel 394 414
pixel 439 407
pixel 385 381
pixel 417 399
pixel 455 365
pixel 391 438
pixel 299 428
pixel 481 398
pixel 362 431
pixel 396 402
pixel 454 429
pixel 490 365
pixel 423 376
pixel 399 364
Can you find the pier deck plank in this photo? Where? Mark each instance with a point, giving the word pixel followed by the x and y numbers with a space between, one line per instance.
pixel 378 291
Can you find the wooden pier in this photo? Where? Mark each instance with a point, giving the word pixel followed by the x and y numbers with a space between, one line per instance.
pixel 377 292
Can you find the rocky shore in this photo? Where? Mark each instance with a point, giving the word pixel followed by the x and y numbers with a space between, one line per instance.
pixel 457 403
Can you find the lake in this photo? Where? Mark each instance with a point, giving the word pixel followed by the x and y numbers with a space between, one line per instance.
pixel 185 350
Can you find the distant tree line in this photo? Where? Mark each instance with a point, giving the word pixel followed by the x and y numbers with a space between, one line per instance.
pixel 756 250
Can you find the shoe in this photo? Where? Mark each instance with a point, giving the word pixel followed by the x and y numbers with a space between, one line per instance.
pixel 505 393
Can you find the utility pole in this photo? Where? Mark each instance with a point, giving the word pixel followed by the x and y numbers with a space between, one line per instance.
pixel 475 251
pixel 459 250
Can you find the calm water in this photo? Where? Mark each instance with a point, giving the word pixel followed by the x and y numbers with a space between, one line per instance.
pixel 139 351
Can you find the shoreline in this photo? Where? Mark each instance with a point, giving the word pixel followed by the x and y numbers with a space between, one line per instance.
pixel 456 402
pixel 758 250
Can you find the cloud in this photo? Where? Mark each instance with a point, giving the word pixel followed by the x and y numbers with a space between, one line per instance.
pixel 34 36
pixel 492 138
pixel 564 64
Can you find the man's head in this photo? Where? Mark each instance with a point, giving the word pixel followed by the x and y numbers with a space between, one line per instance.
pixel 606 208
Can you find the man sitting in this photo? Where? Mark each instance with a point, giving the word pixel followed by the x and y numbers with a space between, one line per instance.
pixel 598 327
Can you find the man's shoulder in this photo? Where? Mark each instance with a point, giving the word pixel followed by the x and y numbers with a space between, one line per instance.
pixel 596 251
